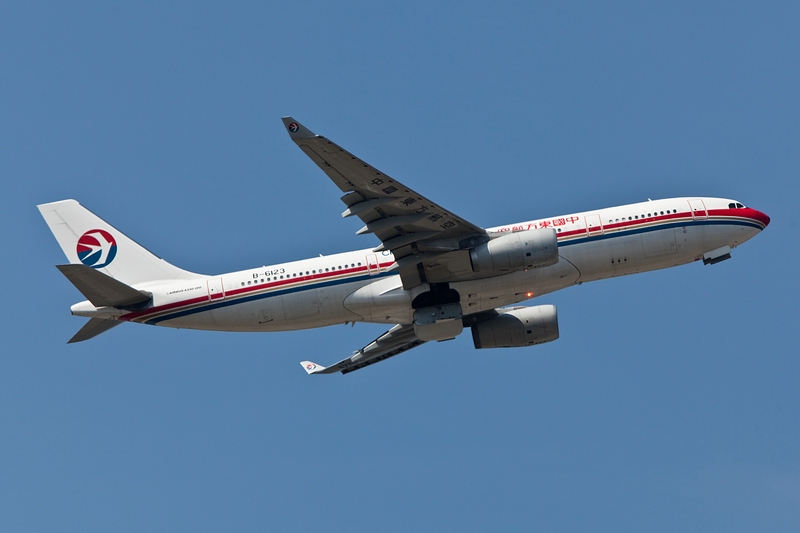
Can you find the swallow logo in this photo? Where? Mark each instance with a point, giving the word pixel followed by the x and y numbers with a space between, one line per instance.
pixel 96 248
pixel 293 127
pixel 311 366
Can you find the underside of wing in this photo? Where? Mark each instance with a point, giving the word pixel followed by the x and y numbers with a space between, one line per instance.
pixel 397 340
pixel 430 244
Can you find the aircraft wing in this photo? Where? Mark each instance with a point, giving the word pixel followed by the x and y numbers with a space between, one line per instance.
pixel 397 340
pixel 430 243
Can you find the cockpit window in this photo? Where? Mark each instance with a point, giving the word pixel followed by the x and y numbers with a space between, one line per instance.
pixel 735 205
pixel 740 206
pixel 731 206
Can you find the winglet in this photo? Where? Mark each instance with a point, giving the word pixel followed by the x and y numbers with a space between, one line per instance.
pixel 312 368
pixel 296 130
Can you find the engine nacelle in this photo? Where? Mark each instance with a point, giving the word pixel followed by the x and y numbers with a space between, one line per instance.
pixel 513 328
pixel 516 251
pixel 383 300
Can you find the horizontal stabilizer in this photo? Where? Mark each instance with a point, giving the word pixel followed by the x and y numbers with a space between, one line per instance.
pixel 103 290
pixel 93 328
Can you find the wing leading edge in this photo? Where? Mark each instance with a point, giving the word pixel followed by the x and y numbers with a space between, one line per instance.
pixel 398 339
pixel 429 243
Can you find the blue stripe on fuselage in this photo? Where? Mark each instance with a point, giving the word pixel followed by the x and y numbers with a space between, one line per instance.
pixel 280 292
pixel 624 233
pixel 319 285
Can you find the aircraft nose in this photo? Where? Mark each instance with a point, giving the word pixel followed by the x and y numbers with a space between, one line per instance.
pixel 761 217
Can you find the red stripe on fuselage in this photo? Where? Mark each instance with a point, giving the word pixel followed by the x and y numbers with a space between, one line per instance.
pixel 742 213
pixel 165 307
pixel 256 287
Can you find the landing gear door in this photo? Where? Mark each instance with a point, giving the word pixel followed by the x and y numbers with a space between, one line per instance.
pixel 215 289
pixel 698 209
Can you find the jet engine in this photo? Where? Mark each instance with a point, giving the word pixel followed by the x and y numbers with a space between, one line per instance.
pixel 516 251
pixel 517 327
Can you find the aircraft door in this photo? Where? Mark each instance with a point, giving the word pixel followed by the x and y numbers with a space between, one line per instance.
pixel 593 225
pixel 215 289
pixel 698 209
pixel 373 267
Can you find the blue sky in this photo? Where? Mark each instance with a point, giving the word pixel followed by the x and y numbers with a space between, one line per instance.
pixel 670 401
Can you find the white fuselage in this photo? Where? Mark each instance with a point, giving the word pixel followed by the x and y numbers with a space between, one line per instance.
pixel 363 285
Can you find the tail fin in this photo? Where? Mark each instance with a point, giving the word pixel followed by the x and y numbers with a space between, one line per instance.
pixel 87 239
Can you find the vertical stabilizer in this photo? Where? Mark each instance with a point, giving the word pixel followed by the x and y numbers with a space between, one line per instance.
pixel 87 239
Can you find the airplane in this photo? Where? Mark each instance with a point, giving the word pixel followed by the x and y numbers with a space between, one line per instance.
pixel 432 275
